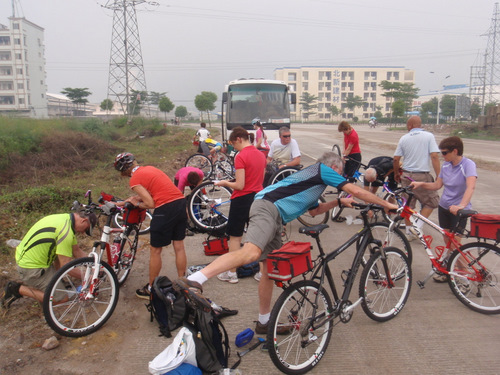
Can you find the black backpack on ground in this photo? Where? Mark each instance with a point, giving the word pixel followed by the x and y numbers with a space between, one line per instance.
pixel 211 340
pixel 167 306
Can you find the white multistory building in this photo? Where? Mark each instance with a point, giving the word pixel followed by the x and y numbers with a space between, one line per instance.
pixel 23 87
pixel 332 85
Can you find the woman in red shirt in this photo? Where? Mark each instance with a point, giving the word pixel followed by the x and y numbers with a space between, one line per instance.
pixel 351 149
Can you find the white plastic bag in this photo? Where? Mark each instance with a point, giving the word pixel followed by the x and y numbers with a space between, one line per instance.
pixel 181 350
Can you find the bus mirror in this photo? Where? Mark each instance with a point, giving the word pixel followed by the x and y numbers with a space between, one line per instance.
pixel 224 97
pixel 293 98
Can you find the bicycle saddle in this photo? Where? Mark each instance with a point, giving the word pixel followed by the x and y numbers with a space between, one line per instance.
pixel 314 230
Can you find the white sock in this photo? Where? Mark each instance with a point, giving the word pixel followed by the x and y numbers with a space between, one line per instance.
pixel 198 276
pixel 231 273
pixel 263 319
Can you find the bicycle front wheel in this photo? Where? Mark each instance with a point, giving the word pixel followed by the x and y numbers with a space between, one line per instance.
pixel 308 220
pixel 336 149
pixel 299 331
pixel 74 305
pixel 128 248
pixel 282 174
pixel 385 284
pixel 202 162
pixel 474 276
pixel 391 198
pixel 336 211
pixel 208 206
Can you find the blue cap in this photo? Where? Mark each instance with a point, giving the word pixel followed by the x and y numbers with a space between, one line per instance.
pixel 244 337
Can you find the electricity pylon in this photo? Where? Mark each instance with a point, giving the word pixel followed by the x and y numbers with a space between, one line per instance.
pixel 492 58
pixel 126 69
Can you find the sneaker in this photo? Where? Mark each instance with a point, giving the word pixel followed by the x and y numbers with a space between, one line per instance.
pixel 189 233
pixel 144 292
pixel 193 291
pixel 225 276
pixel 257 276
pixel 440 278
pixel 10 294
pixel 222 312
pixel 464 288
pixel 261 329
pixel 411 237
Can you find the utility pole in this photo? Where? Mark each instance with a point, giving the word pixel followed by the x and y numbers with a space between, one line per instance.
pixel 126 69
pixel 492 60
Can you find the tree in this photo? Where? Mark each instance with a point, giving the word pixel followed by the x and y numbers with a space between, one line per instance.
pixel 107 105
pixel 430 107
pixel 136 100
pixel 165 105
pixel 447 105
pixel 378 115
pixel 475 110
pixel 398 108
pixel 335 110
pixel 77 95
pixel 405 92
pixel 354 101
pixel 308 103
pixel 205 102
pixel 181 111
pixel 154 97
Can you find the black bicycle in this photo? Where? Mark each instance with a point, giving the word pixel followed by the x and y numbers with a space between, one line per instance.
pixel 305 310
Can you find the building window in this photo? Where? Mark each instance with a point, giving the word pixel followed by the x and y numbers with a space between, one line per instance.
pixel 321 85
pixel 292 76
pixel 20 86
pixel 305 86
pixel 15 26
pixel 19 56
pixel 305 76
pixel 19 71
pixel 21 101
pixel 4 40
pixel 5 56
pixel 6 85
pixel 17 41
pixel 293 87
pixel 6 100
pixel 5 71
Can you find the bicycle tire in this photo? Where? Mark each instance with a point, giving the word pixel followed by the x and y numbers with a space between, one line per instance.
pixel 77 316
pixel 208 206
pixel 301 349
pixel 336 149
pixel 379 301
pixel 223 170
pixel 308 220
pixel 480 294
pixel 282 174
pixel 389 217
pixel 128 249
pixel 395 238
pixel 202 162
pixel 146 224
pixel 336 211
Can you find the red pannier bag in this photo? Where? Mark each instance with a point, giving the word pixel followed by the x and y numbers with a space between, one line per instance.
pixel 485 226
pixel 134 215
pixel 292 259
pixel 217 246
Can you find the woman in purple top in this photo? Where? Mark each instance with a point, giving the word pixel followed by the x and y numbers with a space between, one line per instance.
pixel 458 176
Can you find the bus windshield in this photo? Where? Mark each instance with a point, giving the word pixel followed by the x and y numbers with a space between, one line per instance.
pixel 266 101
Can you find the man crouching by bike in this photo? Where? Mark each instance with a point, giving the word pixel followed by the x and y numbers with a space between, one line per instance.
pixel 48 245
pixel 277 204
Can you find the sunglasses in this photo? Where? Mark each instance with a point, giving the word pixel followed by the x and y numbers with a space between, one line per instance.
pixel 286 136
pixel 445 152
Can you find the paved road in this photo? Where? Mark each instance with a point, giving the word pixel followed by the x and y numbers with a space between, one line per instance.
pixel 434 334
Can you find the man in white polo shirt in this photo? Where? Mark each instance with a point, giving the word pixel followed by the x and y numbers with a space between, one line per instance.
pixel 418 149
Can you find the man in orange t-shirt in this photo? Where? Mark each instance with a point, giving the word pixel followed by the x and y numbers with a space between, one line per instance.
pixel 155 190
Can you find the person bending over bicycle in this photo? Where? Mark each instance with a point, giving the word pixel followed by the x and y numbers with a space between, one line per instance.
pixel 155 190
pixel 277 204
pixel 379 169
pixel 210 147
pixel 188 176
pixel 48 245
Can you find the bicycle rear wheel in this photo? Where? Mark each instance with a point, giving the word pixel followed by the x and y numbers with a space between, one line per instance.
pixel 307 337
pixel 208 206
pixel 66 306
pixel 474 280
pixel 385 284
pixel 202 162
pixel 282 174
pixel 308 220
pixel 145 226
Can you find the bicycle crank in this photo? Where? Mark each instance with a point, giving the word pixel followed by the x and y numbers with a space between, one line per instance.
pixel 345 312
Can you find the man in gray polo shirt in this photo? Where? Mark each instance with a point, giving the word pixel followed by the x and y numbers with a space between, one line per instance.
pixel 418 149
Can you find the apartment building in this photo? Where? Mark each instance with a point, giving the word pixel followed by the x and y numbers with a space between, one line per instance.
pixel 334 84
pixel 23 87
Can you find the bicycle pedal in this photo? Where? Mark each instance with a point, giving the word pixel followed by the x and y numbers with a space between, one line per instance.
pixel 421 284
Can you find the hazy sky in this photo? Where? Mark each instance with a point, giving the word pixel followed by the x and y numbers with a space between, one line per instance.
pixel 189 46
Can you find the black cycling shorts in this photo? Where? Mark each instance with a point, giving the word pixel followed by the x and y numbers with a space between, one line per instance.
pixel 168 223
pixel 239 214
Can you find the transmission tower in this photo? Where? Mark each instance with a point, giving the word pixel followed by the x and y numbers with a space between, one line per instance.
pixel 492 58
pixel 126 71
